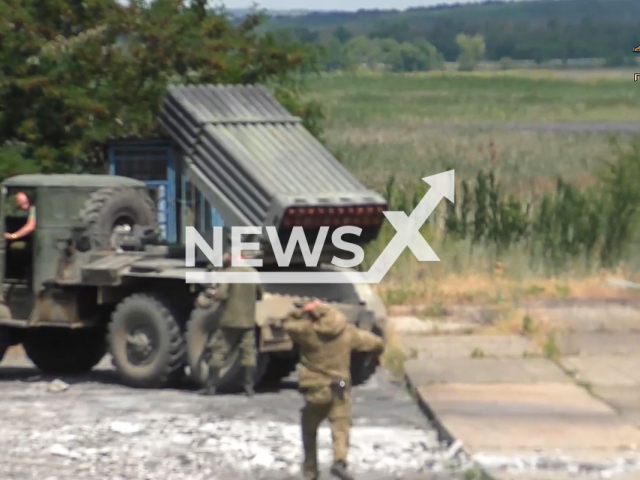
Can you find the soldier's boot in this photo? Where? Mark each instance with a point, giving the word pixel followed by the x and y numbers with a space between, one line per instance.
pixel 249 375
pixel 310 476
pixel 211 384
pixel 310 470
pixel 339 469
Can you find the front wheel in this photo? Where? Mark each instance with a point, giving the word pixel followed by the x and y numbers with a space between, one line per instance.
pixel 146 343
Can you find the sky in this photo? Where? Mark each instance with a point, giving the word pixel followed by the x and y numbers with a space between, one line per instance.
pixel 345 5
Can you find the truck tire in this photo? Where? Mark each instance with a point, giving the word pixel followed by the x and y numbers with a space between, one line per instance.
pixel 146 343
pixel 113 206
pixel 201 325
pixel 5 341
pixel 58 351
pixel 278 369
pixel 364 364
pixel 9 336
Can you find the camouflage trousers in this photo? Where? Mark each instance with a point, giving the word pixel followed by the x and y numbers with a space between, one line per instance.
pixel 320 405
pixel 226 340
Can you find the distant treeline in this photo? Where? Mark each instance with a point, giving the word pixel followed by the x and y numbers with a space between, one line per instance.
pixel 533 30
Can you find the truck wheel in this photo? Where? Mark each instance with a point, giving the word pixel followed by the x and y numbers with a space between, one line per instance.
pixel 278 369
pixel 110 207
pixel 364 364
pixel 60 351
pixel 5 341
pixel 202 324
pixel 146 343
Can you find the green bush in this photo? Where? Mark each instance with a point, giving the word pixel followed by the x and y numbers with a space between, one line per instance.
pixel 595 224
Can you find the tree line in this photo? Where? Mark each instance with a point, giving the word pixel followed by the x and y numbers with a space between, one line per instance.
pixel 345 52
pixel 535 30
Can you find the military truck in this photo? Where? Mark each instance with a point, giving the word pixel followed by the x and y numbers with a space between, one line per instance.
pixel 95 276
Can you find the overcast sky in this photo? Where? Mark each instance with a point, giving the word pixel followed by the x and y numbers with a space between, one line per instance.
pixel 336 4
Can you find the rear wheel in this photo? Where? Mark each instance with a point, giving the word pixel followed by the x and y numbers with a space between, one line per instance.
pixel 364 364
pixel 5 341
pixel 146 343
pixel 61 351
pixel 202 324
pixel 278 369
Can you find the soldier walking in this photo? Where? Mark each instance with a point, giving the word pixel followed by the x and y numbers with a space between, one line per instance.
pixel 326 341
pixel 236 329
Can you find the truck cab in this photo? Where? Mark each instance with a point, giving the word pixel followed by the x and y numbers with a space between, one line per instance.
pixel 29 264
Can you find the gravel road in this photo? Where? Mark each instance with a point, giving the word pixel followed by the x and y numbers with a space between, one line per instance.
pixel 93 428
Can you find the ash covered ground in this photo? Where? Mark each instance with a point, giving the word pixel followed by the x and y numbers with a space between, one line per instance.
pixel 94 428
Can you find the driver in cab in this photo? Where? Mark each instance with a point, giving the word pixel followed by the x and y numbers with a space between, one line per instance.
pixel 23 203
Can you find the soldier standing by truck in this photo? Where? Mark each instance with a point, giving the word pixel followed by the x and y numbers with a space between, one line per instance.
pixel 326 341
pixel 236 328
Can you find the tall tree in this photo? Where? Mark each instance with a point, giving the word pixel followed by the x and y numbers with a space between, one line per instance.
pixel 342 34
pixel 75 72
pixel 472 50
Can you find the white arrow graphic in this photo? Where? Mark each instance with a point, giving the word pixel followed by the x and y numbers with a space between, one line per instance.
pixel 407 235
pixel 408 228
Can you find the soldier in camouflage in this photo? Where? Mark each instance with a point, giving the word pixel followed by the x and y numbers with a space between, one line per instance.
pixel 236 329
pixel 326 341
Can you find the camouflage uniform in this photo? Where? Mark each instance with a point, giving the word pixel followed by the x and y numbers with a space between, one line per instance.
pixel 326 341
pixel 236 329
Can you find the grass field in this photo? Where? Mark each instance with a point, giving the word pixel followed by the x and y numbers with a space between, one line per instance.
pixel 416 125
pixel 531 95
pixel 424 123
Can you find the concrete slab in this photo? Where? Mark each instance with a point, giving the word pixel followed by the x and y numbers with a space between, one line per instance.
pixel 624 399
pixel 411 325
pixel 605 370
pixel 590 318
pixel 465 346
pixel 560 475
pixel 424 371
pixel 549 417
pixel 599 343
